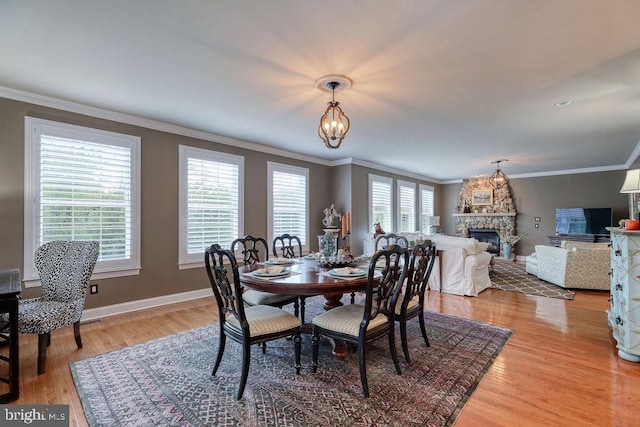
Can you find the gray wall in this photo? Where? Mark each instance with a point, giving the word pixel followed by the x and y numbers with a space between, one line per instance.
pixel 159 202
pixel 539 197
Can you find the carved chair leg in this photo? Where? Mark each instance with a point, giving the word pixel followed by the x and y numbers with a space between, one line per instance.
pixel 76 333
pixel 43 342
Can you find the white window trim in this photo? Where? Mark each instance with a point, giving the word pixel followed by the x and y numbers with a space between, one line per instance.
pixel 386 180
pixel 281 167
pixel 399 185
pixel 34 127
pixel 186 260
pixel 422 188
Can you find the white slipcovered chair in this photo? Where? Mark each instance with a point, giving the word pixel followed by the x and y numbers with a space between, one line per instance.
pixel 577 265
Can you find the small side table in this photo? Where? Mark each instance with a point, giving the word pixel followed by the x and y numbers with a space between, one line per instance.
pixel 10 287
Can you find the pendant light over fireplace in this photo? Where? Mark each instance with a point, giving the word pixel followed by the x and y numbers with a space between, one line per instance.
pixel 334 124
pixel 498 179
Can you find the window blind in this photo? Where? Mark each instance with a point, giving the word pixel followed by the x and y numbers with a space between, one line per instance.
pixel 289 204
pixel 85 193
pixel 407 204
pixel 212 204
pixel 426 208
pixel 381 203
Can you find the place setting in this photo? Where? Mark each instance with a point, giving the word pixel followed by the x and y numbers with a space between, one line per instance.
pixel 271 272
pixel 348 273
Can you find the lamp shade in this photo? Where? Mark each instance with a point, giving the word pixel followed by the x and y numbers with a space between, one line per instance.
pixel 631 182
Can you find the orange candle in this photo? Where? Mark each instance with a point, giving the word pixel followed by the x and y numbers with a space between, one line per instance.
pixel 344 226
pixel 348 222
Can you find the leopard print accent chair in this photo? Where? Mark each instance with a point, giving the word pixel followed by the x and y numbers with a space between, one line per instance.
pixel 65 268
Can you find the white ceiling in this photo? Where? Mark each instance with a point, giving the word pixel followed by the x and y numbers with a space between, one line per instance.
pixel 440 87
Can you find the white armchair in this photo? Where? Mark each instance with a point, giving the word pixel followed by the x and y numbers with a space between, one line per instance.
pixel 576 265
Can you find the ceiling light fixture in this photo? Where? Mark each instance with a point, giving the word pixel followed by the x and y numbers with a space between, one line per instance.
pixel 498 179
pixel 334 124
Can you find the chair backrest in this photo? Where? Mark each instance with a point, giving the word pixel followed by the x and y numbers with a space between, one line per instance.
pixel 65 268
pixel 423 256
pixel 228 293
pixel 251 248
pixel 385 240
pixel 287 245
pixel 382 292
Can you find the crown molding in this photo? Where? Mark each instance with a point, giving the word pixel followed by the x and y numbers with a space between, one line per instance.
pixel 73 107
pixel 382 168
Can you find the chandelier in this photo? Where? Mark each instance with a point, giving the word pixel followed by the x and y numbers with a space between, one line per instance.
pixel 334 124
pixel 498 179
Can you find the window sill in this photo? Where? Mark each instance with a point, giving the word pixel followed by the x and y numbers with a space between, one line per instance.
pixel 34 283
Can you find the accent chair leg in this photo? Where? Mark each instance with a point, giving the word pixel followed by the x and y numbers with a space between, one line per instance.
pixel 76 333
pixel 43 342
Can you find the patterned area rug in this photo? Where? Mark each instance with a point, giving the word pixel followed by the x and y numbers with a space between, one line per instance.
pixel 511 276
pixel 168 381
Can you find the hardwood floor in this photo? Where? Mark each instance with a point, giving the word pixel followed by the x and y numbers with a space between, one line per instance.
pixel 559 368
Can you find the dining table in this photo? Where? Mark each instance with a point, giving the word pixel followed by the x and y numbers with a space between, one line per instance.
pixel 307 277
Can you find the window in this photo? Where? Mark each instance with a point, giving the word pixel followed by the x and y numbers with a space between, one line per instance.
pixel 380 202
pixel 406 206
pixel 288 201
pixel 211 202
pixel 426 207
pixel 82 184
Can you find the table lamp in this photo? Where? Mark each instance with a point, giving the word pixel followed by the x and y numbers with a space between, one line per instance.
pixel 631 186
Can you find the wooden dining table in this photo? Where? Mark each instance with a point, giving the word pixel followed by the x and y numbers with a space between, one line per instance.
pixel 307 278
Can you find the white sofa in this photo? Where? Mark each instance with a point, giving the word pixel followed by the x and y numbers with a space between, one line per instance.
pixel 465 264
pixel 577 265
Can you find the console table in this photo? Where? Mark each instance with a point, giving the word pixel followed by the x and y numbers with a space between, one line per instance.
pixel 624 315
pixel 10 287
pixel 590 238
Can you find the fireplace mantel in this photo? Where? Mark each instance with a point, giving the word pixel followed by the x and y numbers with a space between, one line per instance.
pixel 486 214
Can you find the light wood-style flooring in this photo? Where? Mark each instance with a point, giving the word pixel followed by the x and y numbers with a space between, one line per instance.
pixel 560 366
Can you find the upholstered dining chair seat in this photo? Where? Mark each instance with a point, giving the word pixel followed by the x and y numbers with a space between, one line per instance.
pixel 412 304
pixel 264 320
pixel 253 297
pixel 346 320
pixel 37 316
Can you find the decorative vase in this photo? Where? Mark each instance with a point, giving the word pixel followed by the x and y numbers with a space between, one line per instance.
pixel 506 250
pixel 328 245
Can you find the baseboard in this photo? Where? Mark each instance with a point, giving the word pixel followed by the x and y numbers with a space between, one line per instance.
pixel 92 314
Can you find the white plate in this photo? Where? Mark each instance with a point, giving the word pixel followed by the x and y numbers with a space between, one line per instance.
pixel 258 273
pixel 335 273
pixel 279 262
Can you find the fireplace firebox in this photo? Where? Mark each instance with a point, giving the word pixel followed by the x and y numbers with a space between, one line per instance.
pixel 489 236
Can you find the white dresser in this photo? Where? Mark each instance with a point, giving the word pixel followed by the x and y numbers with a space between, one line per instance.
pixel 624 315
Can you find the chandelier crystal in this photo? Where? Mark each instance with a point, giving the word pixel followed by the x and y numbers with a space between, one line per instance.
pixel 334 123
pixel 498 179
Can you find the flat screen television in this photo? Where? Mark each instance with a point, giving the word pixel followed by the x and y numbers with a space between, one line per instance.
pixel 583 221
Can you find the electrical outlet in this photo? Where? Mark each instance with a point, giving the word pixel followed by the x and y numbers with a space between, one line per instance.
pixel 93 289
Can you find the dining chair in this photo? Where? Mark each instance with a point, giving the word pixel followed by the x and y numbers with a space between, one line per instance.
pixel 410 302
pixel 64 268
pixel 251 325
pixel 385 240
pixel 285 246
pixel 253 250
pixel 361 324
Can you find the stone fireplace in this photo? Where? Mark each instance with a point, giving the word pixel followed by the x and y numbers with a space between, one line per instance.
pixel 485 211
